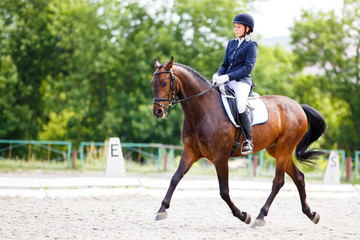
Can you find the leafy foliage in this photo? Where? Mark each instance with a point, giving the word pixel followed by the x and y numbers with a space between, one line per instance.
pixel 81 70
pixel 331 44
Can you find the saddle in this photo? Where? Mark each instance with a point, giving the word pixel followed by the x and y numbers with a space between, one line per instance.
pixel 255 106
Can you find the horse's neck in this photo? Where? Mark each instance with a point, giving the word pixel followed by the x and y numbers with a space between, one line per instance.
pixel 190 86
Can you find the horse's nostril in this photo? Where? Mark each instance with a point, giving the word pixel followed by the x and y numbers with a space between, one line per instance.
pixel 159 111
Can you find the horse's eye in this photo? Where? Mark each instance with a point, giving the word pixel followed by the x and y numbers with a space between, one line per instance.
pixel 163 84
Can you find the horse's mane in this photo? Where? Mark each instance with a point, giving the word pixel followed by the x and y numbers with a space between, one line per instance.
pixel 195 73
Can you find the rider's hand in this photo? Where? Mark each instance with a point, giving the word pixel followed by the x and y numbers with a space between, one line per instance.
pixel 222 79
pixel 214 77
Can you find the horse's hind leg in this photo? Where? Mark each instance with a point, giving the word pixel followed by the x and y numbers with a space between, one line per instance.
pixel 298 177
pixel 222 171
pixel 185 164
pixel 278 182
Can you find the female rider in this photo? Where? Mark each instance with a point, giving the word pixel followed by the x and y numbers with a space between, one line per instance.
pixel 239 61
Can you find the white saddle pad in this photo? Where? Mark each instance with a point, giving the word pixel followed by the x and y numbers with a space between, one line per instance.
pixel 260 112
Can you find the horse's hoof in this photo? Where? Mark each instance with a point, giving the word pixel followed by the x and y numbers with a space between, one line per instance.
pixel 161 216
pixel 248 218
pixel 316 218
pixel 259 223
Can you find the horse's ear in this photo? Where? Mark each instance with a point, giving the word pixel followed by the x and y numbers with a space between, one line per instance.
pixel 170 64
pixel 156 63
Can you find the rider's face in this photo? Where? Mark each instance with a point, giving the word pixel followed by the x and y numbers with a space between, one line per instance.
pixel 239 30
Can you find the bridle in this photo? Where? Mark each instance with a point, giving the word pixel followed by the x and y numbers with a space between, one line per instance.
pixel 172 101
pixel 173 91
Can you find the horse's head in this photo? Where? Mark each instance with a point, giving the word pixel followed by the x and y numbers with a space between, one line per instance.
pixel 165 87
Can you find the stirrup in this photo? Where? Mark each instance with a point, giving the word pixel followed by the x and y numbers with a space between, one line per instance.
pixel 248 152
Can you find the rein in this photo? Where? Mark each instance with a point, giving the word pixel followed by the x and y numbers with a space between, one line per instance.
pixel 174 87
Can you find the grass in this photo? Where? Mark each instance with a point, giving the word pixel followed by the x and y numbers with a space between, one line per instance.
pixel 201 168
pixel 7 165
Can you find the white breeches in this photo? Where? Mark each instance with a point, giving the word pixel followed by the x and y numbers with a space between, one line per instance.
pixel 242 91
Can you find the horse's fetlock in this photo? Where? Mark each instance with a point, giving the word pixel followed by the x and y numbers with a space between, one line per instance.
pixel 237 213
pixel 264 211
pixel 306 210
pixel 165 204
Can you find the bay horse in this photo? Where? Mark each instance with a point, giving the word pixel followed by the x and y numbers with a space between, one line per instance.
pixel 208 133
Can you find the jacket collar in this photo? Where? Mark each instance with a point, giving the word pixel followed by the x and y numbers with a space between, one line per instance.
pixel 247 39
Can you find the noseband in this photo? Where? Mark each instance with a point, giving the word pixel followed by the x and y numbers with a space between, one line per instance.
pixel 173 91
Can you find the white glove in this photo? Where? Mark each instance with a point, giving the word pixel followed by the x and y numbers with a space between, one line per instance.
pixel 222 79
pixel 214 77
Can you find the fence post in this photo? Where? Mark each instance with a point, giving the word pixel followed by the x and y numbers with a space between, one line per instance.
pixel 165 161
pixel 81 153
pixel 356 163
pixel 10 150
pixel 249 157
pixel 68 155
pixel 171 158
pixel 348 168
pixel 139 156
pixel 255 161
pixel 261 163
pixel 48 154
pixel 343 160
pixel 159 158
pixel 74 157
pixel 29 152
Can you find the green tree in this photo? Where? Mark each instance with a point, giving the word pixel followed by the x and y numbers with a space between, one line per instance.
pixel 274 72
pixel 82 69
pixel 330 44
pixel 79 80
pixel 14 116
pixel 30 48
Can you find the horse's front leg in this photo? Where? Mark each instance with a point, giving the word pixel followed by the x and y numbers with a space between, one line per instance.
pixel 222 170
pixel 185 163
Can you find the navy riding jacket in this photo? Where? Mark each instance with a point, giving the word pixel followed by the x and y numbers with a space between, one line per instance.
pixel 239 61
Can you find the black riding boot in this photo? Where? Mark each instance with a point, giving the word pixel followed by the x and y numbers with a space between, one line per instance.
pixel 247 145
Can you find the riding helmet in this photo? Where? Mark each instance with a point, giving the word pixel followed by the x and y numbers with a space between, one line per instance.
pixel 246 19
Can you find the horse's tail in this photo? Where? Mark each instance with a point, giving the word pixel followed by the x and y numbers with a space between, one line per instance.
pixel 316 128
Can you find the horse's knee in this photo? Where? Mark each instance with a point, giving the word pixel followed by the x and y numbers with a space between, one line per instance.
pixel 278 183
pixel 281 183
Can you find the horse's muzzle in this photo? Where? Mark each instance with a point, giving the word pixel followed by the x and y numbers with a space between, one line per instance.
pixel 159 112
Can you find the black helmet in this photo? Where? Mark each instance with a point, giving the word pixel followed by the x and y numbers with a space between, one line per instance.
pixel 245 19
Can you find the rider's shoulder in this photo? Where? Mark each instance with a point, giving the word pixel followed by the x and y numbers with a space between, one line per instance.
pixel 253 42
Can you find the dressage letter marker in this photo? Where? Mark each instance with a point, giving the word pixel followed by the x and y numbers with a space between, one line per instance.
pixel 115 166
pixel 332 172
